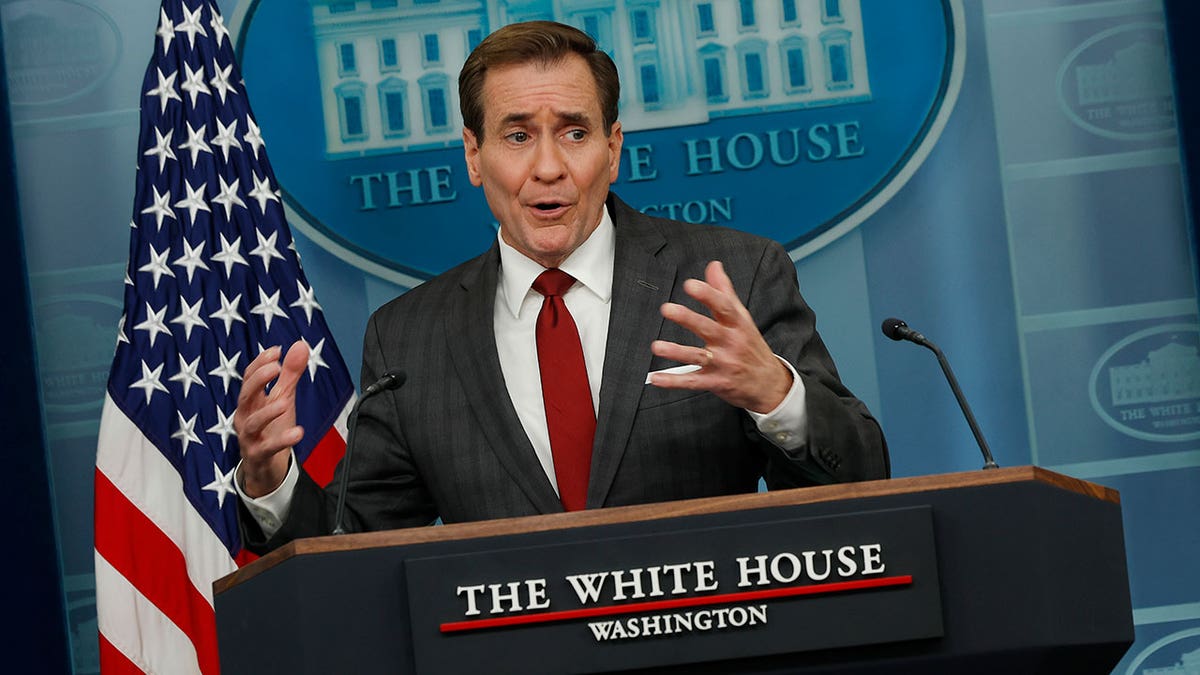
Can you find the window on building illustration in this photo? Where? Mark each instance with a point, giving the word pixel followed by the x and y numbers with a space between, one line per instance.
pixel 791 15
pixel 425 2
pixel 839 65
pixel 393 101
pixel 839 68
pixel 831 11
pixel 704 18
pixel 474 37
pixel 437 108
pixel 754 73
pixel 650 93
pixel 341 7
pixel 746 13
pixel 643 25
pixel 351 112
pixel 384 4
pixel 389 58
pixel 797 72
pixel 354 120
pixel 435 101
pixel 433 52
pixel 714 80
pixel 712 64
pixel 752 67
pixel 591 26
pixel 347 63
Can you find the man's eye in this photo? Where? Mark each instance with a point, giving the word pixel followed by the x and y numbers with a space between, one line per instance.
pixel 518 137
pixel 577 134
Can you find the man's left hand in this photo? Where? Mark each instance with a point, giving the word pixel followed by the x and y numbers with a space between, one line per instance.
pixel 735 362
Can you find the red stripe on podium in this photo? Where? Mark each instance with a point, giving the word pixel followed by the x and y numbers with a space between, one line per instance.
pixel 697 601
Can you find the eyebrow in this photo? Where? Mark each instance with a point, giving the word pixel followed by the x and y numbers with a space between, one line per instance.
pixel 569 117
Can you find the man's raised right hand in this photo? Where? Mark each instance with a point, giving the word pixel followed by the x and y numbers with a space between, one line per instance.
pixel 266 422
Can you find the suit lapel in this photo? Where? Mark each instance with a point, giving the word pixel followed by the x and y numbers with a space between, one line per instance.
pixel 642 281
pixel 472 342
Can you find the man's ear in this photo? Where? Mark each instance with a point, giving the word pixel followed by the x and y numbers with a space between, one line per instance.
pixel 616 138
pixel 471 155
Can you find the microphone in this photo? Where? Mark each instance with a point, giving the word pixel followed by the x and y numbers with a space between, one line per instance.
pixel 392 379
pixel 897 330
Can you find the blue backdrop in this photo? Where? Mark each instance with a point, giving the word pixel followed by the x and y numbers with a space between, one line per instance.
pixel 1023 203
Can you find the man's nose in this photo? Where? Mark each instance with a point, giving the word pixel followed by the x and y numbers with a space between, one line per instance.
pixel 549 164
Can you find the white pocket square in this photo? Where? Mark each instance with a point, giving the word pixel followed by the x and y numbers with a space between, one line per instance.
pixel 677 370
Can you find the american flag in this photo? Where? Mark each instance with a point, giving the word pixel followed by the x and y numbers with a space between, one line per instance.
pixel 213 279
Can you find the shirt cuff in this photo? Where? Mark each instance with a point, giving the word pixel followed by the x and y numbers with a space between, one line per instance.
pixel 270 510
pixel 787 425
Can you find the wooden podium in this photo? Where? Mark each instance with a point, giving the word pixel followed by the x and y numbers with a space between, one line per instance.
pixel 1017 570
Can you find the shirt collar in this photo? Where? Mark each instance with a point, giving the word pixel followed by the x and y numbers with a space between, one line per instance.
pixel 591 264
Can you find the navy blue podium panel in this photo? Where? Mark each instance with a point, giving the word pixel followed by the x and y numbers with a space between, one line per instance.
pixel 1012 570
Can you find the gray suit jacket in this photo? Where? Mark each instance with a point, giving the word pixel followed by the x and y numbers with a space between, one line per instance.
pixel 449 442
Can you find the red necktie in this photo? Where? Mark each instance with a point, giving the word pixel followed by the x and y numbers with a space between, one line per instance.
pixel 565 391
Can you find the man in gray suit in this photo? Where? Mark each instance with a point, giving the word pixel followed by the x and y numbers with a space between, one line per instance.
pixel 703 376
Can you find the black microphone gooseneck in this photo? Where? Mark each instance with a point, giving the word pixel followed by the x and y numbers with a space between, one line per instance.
pixel 392 379
pixel 897 330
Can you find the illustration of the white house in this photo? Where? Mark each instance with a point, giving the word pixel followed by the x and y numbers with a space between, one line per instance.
pixel 389 68
pixel 1169 373
pixel 1137 72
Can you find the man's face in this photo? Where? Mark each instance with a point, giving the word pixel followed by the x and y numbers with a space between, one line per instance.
pixel 545 163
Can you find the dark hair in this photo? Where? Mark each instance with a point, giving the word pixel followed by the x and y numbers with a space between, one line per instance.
pixel 541 42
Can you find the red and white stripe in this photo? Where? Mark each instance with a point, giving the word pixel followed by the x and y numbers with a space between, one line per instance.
pixel 156 558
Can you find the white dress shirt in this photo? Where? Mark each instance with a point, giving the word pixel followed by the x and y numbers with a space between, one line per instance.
pixel 515 322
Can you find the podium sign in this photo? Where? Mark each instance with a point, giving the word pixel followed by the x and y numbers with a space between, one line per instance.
pixel 694 595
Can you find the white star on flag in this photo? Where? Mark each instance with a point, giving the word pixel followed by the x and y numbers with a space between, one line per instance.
pixel 195 200
pixel 314 359
pixel 263 193
pixel 151 381
pixel 185 433
pixel 192 258
pixel 162 148
pixel 268 307
pixel 154 323
pixel 166 31
pixel 222 484
pixel 254 138
pixel 121 337
pixel 228 197
pixel 266 249
pixel 226 138
pixel 193 82
pixel 228 370
pixel 229 311
pixel 157 267
pixel 187 375
pixel 195 143
pixel 223 428
pixel 165 91
pixel 160 208
pixel 220 32
pixel 307 300
pixel 189 317
pixel 230 255
pixel 220 81
pixel 191 25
